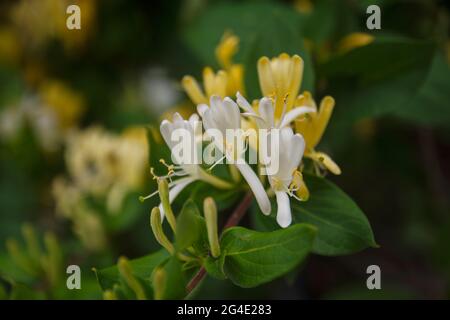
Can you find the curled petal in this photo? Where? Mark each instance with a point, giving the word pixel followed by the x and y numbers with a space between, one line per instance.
pixel 256 186
pixel 294 114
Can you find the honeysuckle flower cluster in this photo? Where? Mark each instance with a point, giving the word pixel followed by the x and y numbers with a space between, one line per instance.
pixel 101 165
pixel 293 122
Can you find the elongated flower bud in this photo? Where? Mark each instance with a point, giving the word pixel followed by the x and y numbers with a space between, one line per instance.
pixel 53 260
pixel 21 260
pixel 155 223
pixel 109 295
pixel 163 188
pixel 159 283
pixel 210 212
pixel 126 272
pixel 33 247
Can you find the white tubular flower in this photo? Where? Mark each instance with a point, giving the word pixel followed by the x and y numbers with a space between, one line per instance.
pixel 186 165
pixel 265 116
pixel 287 180
pixel 224 115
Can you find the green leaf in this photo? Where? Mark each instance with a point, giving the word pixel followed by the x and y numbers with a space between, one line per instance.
pixel 430 104
pixel 342 226
pixel 224 198
pixel 264 29
pixel 142 269
pixel 214 267
pixel 378 79
pixel 190 226
pixel 176 280
pixel 253 258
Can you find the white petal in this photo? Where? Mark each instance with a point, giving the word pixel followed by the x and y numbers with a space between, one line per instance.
pixel 297 149
pixel 266 111
pixel 243 103
pixel 294 114
pixel 215 101
pixel 201 108
pixel 234 113
pixel 177 118
pixel 284 216
pixel 256 186
pixel 208 120
pixel 166 131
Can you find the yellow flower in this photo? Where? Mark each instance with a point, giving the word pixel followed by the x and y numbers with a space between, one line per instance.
pixel 224 82
pixel 312 126
pixel 227 48
pixel 74 39
pixel 213 83
pixel 303 6
pixel 67 105
pixel 281 77
pixel 354 40
pixel 9 46
pixel 39 21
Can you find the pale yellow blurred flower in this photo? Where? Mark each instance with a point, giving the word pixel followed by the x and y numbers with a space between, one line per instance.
pixel 40 21
pixel 101 163
pixel 354 40
pixel 303 6
pixel 67 104
pixel 9 46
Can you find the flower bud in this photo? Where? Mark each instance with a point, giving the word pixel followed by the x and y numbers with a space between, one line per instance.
pixel 159 282
pixel 163 188
pixel 126 272
pixel 155 223
pixel 210 212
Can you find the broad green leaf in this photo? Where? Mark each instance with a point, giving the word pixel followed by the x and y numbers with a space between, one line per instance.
pixel 329 21
pixel 253 258
pixel 224 198
pixel 342 228
pixel 190 227
pixel 142 269
pixel 176 280
pixel 379 79
pixel 430 104
pixel 263 28
pixel 214 267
